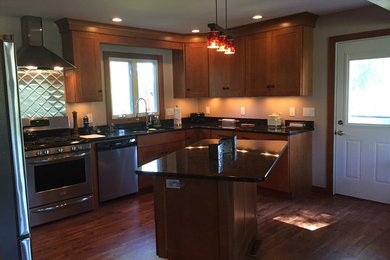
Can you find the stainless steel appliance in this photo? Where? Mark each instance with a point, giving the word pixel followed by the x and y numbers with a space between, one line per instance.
pixel 14 222
pixel 117 160
pixel 58 170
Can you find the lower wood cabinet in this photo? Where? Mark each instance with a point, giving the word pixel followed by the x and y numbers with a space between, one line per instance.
pixel 195 135
pixel 293 173
pixel 151 147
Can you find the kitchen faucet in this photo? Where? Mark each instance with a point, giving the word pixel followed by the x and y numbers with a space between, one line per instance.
pixel 146 111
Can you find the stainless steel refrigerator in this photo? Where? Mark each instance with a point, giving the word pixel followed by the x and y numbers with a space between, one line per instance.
pixel 14 226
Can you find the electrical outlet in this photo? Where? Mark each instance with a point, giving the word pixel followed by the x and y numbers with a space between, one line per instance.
pixel 292 111
pixel 207 110
pixel 308 111
pixel 169 111
pixel 243 111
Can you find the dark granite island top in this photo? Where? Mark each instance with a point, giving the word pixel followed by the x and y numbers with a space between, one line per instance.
pixel 206 208
pixel 253 161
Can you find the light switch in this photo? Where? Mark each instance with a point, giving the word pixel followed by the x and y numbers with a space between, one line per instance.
pixel 243 111
pixel 308 111
pixel 207 110
pixel 292 111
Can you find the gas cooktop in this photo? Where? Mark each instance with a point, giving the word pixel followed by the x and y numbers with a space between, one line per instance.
pixel 52 141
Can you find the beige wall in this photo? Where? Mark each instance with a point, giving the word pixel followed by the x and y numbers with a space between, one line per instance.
pixel 358 20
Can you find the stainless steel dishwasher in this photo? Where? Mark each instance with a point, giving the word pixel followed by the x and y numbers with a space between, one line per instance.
pixel 117 160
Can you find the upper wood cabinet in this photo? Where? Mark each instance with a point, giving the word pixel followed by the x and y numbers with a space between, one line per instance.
pixel 227 72
pixel 279 62
pixel 190 71
pixel 84 84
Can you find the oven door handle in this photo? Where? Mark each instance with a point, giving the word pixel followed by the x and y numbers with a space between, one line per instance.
pixel 61 205
pixel 58 158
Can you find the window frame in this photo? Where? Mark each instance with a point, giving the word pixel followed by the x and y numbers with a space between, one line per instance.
pixel 107 82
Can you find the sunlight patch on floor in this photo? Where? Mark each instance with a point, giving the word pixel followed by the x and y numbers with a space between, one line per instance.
pixel 307 219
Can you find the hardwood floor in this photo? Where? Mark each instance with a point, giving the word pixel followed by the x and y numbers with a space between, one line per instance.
pixel 124 229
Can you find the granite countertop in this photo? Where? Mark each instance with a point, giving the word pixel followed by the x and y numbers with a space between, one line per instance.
pixel 253 162
pixel 260 126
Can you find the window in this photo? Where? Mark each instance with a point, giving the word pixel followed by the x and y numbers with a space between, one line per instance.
pixel 129 77
pixel 369 91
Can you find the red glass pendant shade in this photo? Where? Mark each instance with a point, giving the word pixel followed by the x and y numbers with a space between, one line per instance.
pixel 213 40
pixel 222 43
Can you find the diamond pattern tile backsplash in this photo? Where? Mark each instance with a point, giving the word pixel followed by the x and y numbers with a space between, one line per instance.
pixel 41 93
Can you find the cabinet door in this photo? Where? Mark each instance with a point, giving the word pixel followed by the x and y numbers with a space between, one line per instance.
pixel 279 176
pixel 227 72
pixel 286 62
pixel 217 134
pixel 196 70
pixel 258 47
pixel 85 83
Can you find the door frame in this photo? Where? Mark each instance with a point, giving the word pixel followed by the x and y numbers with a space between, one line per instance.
pixel 331 98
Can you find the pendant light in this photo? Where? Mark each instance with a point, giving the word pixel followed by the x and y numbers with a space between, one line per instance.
pixel 213 36
pixel 218 37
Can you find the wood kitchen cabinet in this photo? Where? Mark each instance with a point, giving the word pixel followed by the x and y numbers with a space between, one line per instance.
pixel 190 71
pixel 227 72
pixel 195 135
pixel 154 146
pixel 293 173
pixel 279 62
pixel 84 83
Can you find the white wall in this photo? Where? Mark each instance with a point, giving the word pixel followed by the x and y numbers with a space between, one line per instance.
pixel 357 20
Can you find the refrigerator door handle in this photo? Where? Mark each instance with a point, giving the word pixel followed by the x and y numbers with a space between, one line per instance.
pixel 25 249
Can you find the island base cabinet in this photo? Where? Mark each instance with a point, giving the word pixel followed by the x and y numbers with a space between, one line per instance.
pixel 204 219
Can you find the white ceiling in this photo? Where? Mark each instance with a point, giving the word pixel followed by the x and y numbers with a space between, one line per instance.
pixel 172 15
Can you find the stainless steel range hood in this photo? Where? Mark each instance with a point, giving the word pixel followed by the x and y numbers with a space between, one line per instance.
pixel 33 54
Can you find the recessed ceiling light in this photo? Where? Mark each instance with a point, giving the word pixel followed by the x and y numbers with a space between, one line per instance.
pixel 195 30
pixel 116 19
pixel 257 17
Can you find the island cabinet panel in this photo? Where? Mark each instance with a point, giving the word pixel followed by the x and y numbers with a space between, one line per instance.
pixel 279 62
pixel 190 71
pixel 154 146
pixel 227 72
pixel 84 83
pixel 292 175
pixel 218 223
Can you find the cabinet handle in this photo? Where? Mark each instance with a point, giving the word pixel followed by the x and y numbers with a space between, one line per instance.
pixel 100 91
pixel 188 89
pixel 270 86
pixel 225 88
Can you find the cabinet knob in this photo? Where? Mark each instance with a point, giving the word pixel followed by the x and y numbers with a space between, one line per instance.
pixel 188 89
pixel 100 91
pixel 270 86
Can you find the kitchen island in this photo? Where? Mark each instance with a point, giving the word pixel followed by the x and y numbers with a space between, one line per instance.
pixel 206 208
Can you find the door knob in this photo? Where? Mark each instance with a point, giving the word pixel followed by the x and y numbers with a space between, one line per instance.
pixel 340 122
pixel 339 132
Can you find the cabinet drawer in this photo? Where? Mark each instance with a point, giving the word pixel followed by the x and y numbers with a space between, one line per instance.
pixel 217 134
pixel 259 136
pixel 156 139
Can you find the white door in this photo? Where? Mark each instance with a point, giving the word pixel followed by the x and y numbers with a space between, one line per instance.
pixel 362 119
